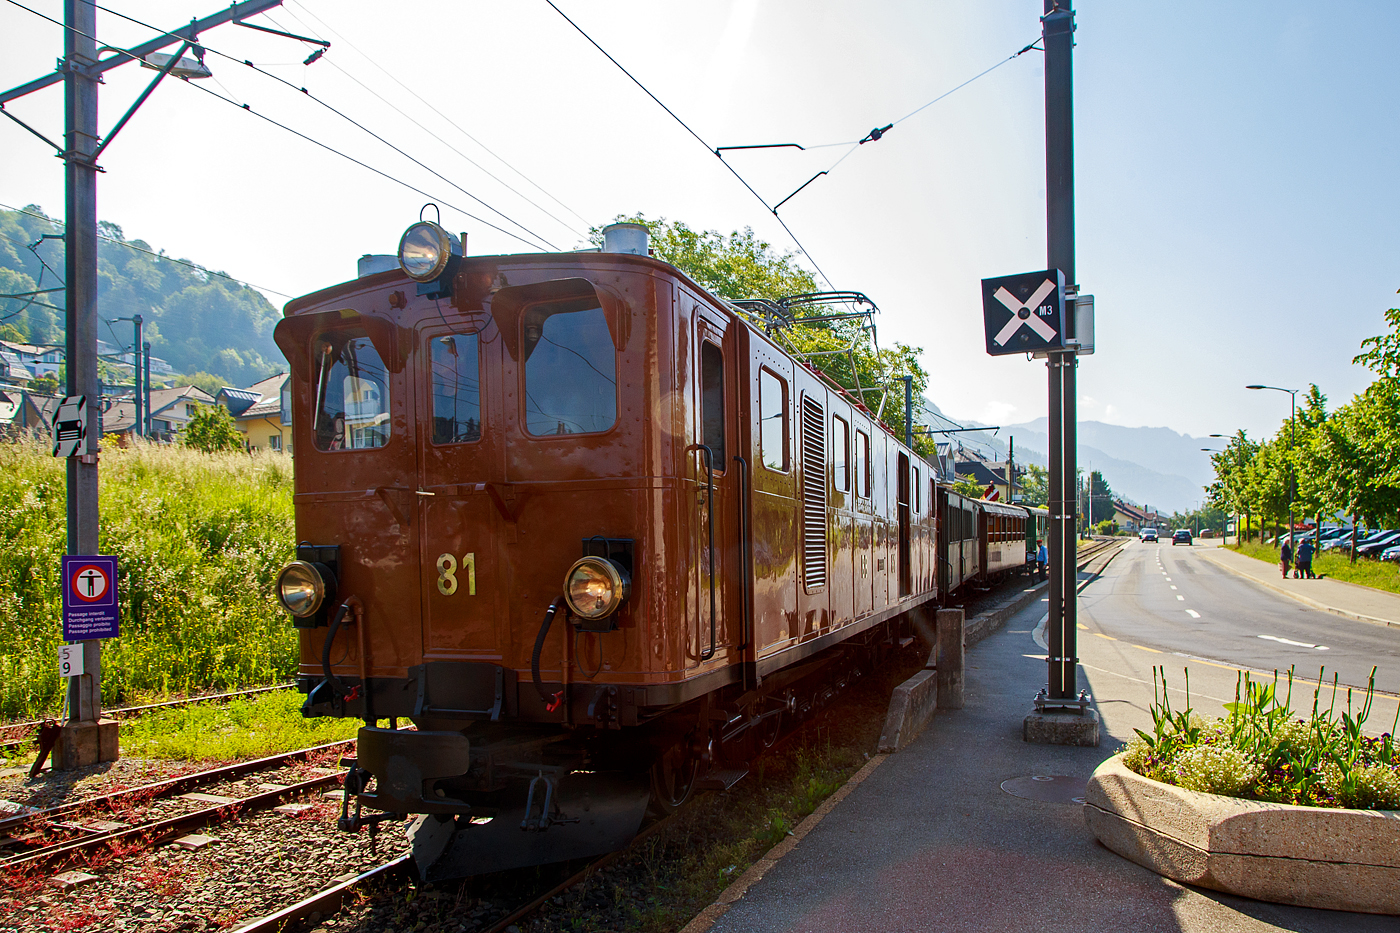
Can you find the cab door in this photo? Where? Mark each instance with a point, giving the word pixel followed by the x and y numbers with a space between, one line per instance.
pixel 459 468
pixel 713 476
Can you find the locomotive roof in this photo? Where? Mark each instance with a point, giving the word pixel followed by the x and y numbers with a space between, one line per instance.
pixel 584 257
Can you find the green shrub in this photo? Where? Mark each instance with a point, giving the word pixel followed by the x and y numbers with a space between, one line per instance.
pixel 1260 751
pixel 199 539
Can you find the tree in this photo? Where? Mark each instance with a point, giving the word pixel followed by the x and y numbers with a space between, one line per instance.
pixel 44 385
pixel 211 430
pixel 1100 505
pixel 208 382
pixel 966 487
pixel 1035 486
pixel 740 265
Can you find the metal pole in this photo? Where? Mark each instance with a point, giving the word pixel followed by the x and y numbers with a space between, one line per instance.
pixel 1054 627
pixel 146 370
pixel 136 374
pixel 1058 35
pixel 80 267
pixel 1292 475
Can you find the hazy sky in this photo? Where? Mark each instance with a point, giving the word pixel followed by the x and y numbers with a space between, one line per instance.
pixel 1238 215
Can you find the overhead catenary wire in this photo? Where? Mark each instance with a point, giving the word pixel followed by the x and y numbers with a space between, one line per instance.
pixel 435 110
pixel 698 138
pixel 365 165
pixel 875 134
pixel 447 119
pixel 349 119
pixel 283 126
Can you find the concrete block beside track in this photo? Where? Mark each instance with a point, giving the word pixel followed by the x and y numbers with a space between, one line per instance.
pixel 912 705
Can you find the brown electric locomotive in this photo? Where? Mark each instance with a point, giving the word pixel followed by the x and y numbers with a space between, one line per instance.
pixel 592 532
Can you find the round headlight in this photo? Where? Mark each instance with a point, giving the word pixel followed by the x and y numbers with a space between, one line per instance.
pixel 595 587
pixel 425 250
pixel 302 588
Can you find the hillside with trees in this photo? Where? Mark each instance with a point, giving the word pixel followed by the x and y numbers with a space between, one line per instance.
pixel 197 319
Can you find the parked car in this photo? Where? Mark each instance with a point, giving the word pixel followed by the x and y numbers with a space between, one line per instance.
pixel 1181 536
pixel 1381 542
pixel 1342 542
pixel 1391 553
pixel 1148 534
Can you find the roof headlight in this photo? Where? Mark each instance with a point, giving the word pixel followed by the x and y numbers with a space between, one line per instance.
pixel 596 587
pixel 303 587
pixel 425 251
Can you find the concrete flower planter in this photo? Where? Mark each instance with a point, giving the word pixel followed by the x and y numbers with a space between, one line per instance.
pixel 1308 856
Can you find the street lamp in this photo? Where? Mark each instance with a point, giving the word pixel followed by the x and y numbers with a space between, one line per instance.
pixel 1292 480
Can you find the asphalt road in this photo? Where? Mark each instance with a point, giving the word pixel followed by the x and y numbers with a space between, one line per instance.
pixel 1159 604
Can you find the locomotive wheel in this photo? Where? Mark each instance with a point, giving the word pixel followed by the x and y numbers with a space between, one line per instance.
pixel 674 776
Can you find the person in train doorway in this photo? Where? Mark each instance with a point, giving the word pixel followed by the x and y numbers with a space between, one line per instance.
pixel 1302 567
pixel 1042 557
pixel 1286 557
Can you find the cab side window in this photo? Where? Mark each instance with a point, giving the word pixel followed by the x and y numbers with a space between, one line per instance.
pixel 712 401
pixel 773 420
pixel 352 394
pixel 840 454
pixel 863 464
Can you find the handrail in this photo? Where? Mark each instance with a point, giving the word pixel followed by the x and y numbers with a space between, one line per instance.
pixel 710 520
pixel 745 549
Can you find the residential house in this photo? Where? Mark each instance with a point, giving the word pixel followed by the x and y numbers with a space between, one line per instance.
pixel 975 468
pixel 262 412
pixel 172 409
pixel 12 370
pixel 39 361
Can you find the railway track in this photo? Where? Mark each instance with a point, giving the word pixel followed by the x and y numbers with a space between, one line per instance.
pixel 16 734
pixel 70 832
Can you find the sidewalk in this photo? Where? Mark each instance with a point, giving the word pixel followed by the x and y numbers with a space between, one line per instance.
pixel 1350 600
pixel 929 840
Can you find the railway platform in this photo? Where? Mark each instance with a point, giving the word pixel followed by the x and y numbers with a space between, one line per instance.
pixel 928 840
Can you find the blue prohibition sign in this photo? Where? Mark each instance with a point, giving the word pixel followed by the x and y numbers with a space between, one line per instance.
pixel 90 608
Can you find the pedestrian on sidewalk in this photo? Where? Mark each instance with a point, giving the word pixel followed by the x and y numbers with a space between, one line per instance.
pixel 1286 557
pixel 1042 557
pixel 1303 566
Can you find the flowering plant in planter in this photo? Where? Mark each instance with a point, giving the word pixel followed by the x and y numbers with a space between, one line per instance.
pixel 1261 751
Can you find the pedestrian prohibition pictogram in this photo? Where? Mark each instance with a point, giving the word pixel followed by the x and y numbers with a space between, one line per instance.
pixel 90 607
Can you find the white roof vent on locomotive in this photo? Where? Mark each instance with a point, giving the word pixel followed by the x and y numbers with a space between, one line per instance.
pixel 627 238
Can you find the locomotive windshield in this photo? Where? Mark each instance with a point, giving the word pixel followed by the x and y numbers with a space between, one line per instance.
pixel 570 370
pixel 456 389
pixel 352 394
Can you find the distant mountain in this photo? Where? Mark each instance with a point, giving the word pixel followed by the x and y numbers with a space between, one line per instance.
pixel 1150 466
pixel 1147 466
pixel 196 319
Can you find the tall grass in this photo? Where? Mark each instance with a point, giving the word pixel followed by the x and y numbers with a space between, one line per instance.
pixel 199 539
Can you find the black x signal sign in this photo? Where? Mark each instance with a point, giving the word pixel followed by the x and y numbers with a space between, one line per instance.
pixel 1023 313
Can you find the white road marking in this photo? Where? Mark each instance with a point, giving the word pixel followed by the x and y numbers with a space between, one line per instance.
pixel 1193 613
pixel 1179 596
pixel 1173 586
pixel 1289 641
